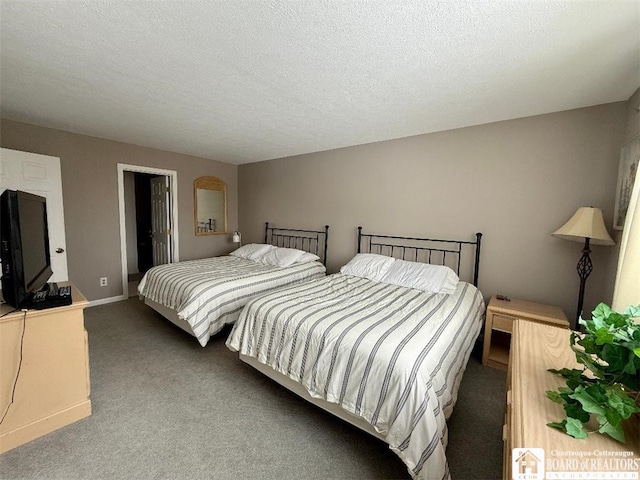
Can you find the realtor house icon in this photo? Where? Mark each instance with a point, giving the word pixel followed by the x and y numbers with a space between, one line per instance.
pixel 527 464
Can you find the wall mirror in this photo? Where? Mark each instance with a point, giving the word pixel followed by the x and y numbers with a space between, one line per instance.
pixel 210 201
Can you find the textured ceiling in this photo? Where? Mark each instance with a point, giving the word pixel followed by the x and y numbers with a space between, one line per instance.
pixel 248 80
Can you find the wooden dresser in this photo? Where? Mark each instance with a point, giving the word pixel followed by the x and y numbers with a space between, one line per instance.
pixel 44 370
pixel 536 347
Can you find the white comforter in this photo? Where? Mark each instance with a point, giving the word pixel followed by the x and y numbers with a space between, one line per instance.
pixel 211 292
pixel 391 355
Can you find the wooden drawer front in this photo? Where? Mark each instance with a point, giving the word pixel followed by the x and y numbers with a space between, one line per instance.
pixel 502 323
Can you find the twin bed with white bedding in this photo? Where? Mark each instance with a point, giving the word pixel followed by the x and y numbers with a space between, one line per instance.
pixel 201 296
pixel 383 344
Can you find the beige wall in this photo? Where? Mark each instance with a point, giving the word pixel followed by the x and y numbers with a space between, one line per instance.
pixel 90 194
pixel 516 181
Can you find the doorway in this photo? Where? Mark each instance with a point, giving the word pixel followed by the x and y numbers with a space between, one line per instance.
pixel 148 221
pixel 138 208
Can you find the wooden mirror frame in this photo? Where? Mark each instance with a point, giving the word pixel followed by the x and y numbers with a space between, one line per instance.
pixel 215 184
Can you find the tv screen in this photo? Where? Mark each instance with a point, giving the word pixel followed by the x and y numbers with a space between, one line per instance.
pixel 24 237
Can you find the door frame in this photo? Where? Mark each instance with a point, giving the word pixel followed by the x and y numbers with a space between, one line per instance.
pixel 172 175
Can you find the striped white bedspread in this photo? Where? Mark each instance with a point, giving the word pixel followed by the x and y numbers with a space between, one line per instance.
pixel 391 355
pixel 211 292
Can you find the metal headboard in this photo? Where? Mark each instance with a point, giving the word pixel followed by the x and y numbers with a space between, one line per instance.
pixel 426 250
pixel 313 241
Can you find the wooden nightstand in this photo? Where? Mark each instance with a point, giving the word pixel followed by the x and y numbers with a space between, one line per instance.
pixel 499 323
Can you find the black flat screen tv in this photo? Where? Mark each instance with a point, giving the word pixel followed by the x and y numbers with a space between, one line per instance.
pixel 24 246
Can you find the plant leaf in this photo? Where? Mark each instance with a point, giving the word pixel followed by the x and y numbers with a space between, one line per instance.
pixel 602 310
pixel 615 432
pixel 574 410
pixel 598 393
pixel 589 362
pixel 589 404
pixel 616 356
pixel 600 314
pixel 566 373
pixel 555 397
pixel 589 344
pixel 558 425
pixel 613 417
pixel 632 311
pixel 617 320
pixel 575 428
pixel 633 364
pixel 621 403
pixel 604 336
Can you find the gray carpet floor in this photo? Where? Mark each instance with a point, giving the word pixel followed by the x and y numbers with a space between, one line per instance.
pixel 166 408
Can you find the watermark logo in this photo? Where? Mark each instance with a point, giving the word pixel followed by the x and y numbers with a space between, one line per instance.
pixel 532 464
pixel 527 464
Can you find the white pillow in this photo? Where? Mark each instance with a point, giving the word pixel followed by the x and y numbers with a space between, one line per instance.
pixel 252 251
pixel 282 257
pixel 308 257
pixel 368 265
pixel 422 276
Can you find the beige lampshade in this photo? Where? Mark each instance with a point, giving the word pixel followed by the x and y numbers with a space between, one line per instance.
pixel 587 222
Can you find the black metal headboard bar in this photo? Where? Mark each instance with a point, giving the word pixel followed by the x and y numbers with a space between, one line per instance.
pixel 313 241
pixel 453 247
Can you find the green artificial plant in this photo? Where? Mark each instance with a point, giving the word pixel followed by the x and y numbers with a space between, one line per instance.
pixel 607 385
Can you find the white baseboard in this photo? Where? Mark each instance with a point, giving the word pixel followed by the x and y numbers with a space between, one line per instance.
pixel 103 301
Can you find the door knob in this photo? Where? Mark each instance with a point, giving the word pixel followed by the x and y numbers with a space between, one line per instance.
pixel 59 250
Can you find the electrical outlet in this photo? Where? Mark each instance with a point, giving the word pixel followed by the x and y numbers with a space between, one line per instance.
pixel 103 281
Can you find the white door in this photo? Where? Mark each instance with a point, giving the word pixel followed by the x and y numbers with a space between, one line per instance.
pixel 160 228
pixel 40 175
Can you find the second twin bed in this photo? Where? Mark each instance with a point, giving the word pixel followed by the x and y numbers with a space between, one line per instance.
pixel 383 344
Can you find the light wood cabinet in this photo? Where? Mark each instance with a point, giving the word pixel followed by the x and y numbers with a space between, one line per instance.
pixel 535 348
pixel 44 371
pixel 499 323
